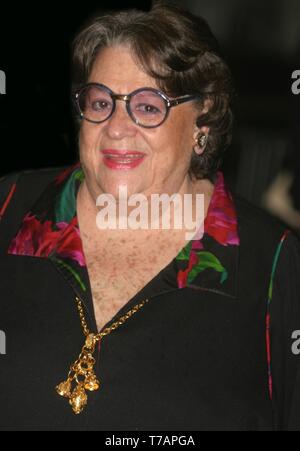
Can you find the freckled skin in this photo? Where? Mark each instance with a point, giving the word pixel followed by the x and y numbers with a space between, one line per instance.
pixel 117 272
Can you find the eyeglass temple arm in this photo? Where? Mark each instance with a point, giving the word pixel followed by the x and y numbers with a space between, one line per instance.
pixel 180 100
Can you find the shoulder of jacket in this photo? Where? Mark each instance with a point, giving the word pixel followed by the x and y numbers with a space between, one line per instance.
pixel 29 178
pixel 259 230
pixel 258 225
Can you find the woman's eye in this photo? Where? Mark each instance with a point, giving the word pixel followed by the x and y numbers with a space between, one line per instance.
pixel 100 105
pixel 147 108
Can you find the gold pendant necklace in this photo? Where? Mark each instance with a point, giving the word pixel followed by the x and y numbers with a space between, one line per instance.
pixel 82 373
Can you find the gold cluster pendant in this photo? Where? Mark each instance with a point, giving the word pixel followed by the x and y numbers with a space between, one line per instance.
pixel 81 377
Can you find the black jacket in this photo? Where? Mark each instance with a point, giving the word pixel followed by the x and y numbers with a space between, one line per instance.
pixel 215 347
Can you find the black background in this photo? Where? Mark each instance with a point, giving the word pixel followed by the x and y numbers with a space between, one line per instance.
pixel 35 114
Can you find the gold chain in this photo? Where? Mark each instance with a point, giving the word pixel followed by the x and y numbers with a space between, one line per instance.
pixel 82 371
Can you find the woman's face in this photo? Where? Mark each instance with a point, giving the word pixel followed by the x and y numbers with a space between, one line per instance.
pixel 168 148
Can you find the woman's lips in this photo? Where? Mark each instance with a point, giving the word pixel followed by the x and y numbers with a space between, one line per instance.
pixel 114 159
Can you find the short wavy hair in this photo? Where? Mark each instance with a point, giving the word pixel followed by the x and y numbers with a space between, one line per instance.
pixel 179 51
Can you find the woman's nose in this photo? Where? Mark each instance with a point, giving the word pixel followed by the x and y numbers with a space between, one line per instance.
pixel 120 123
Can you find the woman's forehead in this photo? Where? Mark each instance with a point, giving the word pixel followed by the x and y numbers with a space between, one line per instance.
pixel 117 68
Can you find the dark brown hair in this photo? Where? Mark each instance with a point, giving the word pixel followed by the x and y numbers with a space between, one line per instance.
pixel 179 50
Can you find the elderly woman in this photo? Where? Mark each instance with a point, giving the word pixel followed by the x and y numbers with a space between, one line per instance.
pixel 142 329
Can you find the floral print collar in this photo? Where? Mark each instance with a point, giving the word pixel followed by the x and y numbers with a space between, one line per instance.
pixel 50 230
pixel 220 225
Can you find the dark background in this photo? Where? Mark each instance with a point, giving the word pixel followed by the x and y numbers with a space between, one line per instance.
pixel 261 42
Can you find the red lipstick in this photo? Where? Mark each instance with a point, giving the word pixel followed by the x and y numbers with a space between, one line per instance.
pixel 122 159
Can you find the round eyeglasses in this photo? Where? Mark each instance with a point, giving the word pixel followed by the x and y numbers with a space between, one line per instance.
pixel 147 107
